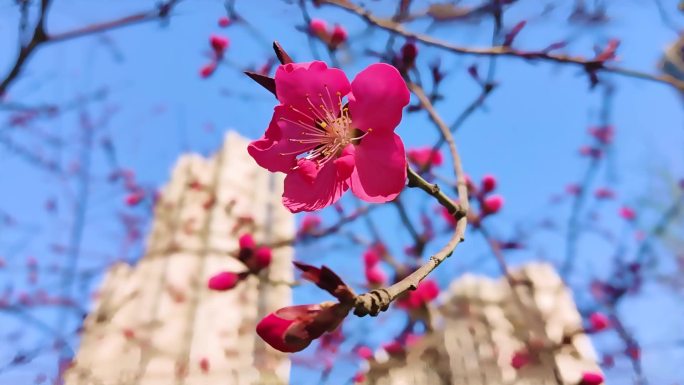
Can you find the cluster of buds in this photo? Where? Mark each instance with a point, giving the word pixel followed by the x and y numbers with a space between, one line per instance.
pixel 254 258
pixel 332 37
pixel 293 328
pixel 489 203
pixel 219 45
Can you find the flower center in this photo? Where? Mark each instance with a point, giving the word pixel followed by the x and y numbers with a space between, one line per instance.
pixel 325 131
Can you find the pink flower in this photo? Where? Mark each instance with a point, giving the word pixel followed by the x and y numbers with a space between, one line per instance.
pixel 627 213
pixel 223 281
pixel 325 147
pixel 599 321
pixel 492 204
pixel 488 183
pixel 591 378
pixel 424 157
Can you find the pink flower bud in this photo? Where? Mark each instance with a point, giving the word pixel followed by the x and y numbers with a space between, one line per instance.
pixel 219 43
pixel 359 378
pixel 591 378
pixel 394 347
pixel 604 134
pixel 246 241
pixel 627 213
pixel 599 322
pixel 207 70
pixel 520 359
pixel 272 329
pixel 450 219
pixel 375 276
pixel 223 281
pixel 318 27
pixel 573 189
pixel 492 204
pixel 338 36
pixel 224 21
pixel 263 257
pixel 134 198
pixel 371 258
pixel 310 223
pixel 488 184
pixel 204 365
pixel 292 328
pixel 409 52
pixel 604 193
pixel 364 352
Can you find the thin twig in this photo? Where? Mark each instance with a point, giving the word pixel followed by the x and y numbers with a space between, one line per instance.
pixel 587 64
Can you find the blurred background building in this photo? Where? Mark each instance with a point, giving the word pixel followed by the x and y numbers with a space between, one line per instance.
pixel 157 322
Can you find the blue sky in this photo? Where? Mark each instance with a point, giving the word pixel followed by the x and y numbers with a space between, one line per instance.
pixel 527 134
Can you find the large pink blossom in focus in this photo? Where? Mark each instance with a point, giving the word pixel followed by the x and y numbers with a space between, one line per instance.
pixel 326 146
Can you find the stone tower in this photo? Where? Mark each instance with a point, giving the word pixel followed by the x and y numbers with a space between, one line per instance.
pixel 156 323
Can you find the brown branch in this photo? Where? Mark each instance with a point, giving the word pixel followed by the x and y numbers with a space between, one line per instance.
pixel 40 37
pixel 372 303
pixel 590 65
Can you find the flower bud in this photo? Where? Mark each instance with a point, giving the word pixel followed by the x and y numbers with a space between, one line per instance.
pixel 338 36
pixel 223 281
pixel 262 258
pixel 219 43
pixel 488 183
pixel 224 21
pixel 599 322
pixel 492 204
pixel 246 241
pixel 409 52
pixel 318 28
pixel 591 378
pixel 207 70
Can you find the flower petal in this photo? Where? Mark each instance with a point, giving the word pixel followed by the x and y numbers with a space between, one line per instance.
pixel 277 150
pixel 377 98
pixel 380 172
pixel 306 86
pixel 305 191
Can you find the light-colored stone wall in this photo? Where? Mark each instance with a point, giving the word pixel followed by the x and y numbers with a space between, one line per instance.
pixel 481 323
pixel 156 323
